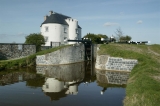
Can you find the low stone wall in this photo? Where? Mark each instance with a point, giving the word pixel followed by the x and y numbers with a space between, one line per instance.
pixel 67 55
pixel 105 62
pixel 12 51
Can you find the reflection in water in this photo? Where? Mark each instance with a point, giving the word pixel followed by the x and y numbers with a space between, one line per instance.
pixel 68 73
pixel 80 79
pixel 117 77
pixel 62 80
pixel 111 78
pixel 57 89
pixel 54 85
pixel 13 77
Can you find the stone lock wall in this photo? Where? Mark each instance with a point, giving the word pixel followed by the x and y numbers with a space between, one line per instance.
pixel 106 62
pixel 13 51
pixel 67 55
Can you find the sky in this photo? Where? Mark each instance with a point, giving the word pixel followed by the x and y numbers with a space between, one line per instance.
pixel 139 19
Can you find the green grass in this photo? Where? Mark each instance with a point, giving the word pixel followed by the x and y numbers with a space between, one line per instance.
pixel 23 62
pixel 143 86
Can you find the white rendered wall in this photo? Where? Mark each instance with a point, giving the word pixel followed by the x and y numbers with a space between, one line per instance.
pixel 73 26
pixel 55 33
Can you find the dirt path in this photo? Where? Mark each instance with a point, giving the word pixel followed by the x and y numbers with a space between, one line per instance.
pixel 157 57
pixel 151 51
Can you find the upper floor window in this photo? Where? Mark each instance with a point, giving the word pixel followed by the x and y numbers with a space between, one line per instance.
pixel 65 30
pixel 76 31
pixel 46 29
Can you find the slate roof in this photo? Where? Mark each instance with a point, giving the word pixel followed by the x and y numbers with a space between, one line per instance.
pixel 57 18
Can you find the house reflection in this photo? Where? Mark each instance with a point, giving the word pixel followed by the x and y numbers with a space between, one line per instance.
pixel 54 85
pixel 62 80
pixel 56 89
pixel 107 79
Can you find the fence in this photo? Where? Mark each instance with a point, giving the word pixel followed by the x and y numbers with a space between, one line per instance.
pixel 52 45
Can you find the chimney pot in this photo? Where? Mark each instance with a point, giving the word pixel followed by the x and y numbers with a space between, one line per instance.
pixel 45 17
pixel 50 12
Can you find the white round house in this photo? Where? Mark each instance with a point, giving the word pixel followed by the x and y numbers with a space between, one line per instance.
pixel 58 28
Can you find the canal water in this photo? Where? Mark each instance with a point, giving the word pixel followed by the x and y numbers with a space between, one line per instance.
pixel 64 85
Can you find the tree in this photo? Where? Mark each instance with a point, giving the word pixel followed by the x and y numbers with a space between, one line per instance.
pixel 103 36
pixel 36 39
pixel 119 33
pixel 125 38
pixel 95 38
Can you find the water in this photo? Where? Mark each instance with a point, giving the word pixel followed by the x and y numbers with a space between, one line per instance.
pixel 66 85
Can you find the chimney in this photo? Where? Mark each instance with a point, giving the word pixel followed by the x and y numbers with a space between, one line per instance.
pixel 45 17
pixel 50 12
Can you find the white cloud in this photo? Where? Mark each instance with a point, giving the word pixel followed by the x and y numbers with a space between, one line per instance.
pixel 120 17
pixel 110 24
pixel 121 13
pixel 126 2
pixel 139 22
pixel 21 34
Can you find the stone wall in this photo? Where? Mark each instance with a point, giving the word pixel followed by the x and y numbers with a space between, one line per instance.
pixel 106 62
pixel 67 55
pixel 13 51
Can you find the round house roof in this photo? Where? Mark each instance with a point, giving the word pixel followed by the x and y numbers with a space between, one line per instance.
pixel 56 18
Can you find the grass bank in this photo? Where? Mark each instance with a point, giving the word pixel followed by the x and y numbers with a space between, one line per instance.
pixel 23 62
pixel 143 86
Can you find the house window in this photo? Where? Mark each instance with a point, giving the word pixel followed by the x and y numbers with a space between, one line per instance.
pixel 46 38
pixel 46 29
pixel 65 30
pixel 65 39
pixel 76 31
pixel 47 86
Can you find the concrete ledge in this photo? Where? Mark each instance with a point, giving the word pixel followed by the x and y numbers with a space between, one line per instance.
pixel 70 54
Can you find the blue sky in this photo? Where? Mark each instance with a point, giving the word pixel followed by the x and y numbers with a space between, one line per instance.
pixel 139 19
